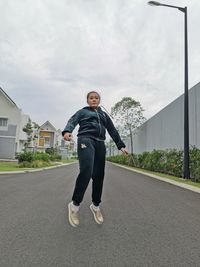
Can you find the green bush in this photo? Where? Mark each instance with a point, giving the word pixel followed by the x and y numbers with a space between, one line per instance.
pixel 74 157
pixel 41 156
pixel 195 163
pixel 34 164
pixel 31 156
pixel 166 161
pixel 173 162
pixel 39 164
pixel 51 151
pixel 131 159
pixel 25 156
pixel 36 159
pixel 142 159
pixel 55 157
pixel 24 164
pixel 121 159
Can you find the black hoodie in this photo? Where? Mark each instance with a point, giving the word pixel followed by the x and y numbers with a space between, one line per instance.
pixel 93 123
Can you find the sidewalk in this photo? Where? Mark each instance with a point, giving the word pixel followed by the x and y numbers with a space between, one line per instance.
pixel 186 186
pixel 37 170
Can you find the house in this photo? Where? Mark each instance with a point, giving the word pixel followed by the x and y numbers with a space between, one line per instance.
pixel 13 138
pixel 48 137
pixel 12 121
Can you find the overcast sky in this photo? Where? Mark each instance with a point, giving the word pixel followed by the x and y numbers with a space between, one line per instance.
pixel 53 52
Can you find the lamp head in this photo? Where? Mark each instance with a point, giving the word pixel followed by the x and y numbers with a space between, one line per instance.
pixel 154 3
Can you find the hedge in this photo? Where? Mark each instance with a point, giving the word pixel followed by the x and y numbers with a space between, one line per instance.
pixel 34 164
pixel 165 161
pixel 37 156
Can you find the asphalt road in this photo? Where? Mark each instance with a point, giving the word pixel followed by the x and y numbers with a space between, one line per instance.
pixel 147 222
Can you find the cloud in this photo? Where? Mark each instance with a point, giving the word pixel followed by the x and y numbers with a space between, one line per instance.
pixel 53 53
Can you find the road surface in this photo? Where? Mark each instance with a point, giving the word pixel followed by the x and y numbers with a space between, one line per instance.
pixel 147 222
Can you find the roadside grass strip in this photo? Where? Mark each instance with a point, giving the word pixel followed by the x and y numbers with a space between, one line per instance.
pixel 14 166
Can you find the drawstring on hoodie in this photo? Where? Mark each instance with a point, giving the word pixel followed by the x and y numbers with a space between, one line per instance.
pixel 107 112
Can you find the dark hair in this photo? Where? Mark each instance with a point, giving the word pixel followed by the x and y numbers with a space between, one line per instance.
pixel 88 95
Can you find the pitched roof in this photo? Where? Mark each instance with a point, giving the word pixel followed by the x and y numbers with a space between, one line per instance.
pixel 7 97
pixel 47 122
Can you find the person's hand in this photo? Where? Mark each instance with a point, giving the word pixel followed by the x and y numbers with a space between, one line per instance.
pixel 124 151
pixel 68 136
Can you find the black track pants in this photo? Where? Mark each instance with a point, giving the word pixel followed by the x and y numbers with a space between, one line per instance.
pixel 91 154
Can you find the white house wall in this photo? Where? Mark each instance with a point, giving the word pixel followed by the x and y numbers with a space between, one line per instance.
pixel 59 138
pixel 8 142
pixel 17 119
pixel 10 111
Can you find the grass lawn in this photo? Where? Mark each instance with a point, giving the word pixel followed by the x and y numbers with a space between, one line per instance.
pixel 10 166
pixel 178 179
pixel 13 166
pixel 68 160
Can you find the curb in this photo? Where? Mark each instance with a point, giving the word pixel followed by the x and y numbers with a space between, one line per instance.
pixel 185 186
pixel 37 170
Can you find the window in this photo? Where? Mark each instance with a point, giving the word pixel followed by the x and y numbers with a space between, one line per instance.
pixel 47 140
pixel 3 122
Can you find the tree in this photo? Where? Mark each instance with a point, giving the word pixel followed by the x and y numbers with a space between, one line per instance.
pixel 30 129
pixel 128 114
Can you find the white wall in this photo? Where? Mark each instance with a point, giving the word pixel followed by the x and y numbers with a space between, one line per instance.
pixel 166 129
pixel 10 111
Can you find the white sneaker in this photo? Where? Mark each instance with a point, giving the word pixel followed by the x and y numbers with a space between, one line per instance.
pixel 97 214
pixel 73 215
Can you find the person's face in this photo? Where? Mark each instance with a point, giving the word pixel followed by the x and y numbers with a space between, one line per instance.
pixel 93 100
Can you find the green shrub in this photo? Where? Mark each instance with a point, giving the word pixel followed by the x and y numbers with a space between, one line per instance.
pixel 74 157
pixel 36 159
pixel 195 163
pixel 166 161
pixel 41 156
pixel 55 157
pixel 142 159
pixel 25 156
pixel 51 151
pixel 174 162
pixel 121 159
pixel 39 164
pixel 24 164
pixel 31 156
pixel 157 160
pixel 34 164
pixel 131 159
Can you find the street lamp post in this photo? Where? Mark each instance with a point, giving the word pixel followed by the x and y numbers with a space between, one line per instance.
pixel 186 171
